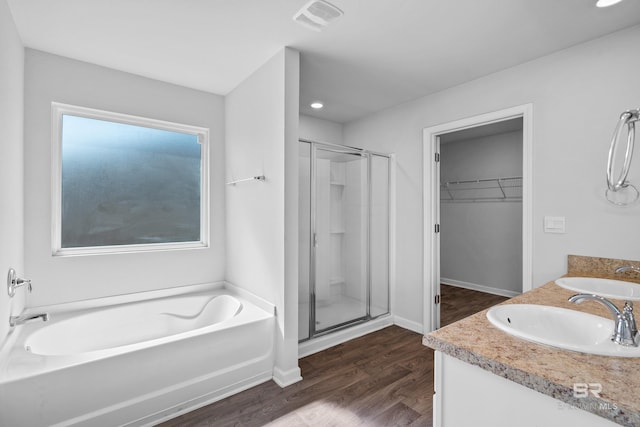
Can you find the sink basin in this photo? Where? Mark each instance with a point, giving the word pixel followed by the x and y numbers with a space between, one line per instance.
pixel 607 288
pixel 559 327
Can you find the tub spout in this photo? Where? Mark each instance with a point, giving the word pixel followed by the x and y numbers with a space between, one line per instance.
pixel 19 320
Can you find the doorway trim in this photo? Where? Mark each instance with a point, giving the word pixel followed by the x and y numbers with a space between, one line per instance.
pixel 431 202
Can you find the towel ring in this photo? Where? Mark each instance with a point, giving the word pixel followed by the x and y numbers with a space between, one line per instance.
pixel 627 118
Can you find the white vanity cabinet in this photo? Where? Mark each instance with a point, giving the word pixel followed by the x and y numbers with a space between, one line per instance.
pixel 467 395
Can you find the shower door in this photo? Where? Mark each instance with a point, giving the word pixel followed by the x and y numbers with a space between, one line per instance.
pixel 340 237
pixel 343 192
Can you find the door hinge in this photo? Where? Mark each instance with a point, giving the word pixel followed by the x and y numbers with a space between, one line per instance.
pixel 437 157
pixel 437 299
pixel 437 228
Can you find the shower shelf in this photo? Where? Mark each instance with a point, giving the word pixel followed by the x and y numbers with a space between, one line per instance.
pixel 482 190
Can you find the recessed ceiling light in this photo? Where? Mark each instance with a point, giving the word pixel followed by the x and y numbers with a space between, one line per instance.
pixel 607 3
pixel 317 105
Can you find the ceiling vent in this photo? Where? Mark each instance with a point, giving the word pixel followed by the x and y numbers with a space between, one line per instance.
pixel 317 14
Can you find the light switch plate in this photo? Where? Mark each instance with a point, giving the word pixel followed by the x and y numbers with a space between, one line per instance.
pixel 554 224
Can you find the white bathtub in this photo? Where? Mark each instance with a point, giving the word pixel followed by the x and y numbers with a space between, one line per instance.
pixel 109 363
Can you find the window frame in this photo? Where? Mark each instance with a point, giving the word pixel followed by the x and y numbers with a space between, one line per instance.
pixel 58 110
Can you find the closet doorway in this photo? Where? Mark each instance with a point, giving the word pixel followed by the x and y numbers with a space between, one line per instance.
pixel 477 210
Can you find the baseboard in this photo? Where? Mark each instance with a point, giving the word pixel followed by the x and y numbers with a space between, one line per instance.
pixel 481 288
pixel 408 324
pixel 199 402
pixel 324 342
pixel 286 378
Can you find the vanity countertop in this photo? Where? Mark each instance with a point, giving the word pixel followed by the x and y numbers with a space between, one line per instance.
pixel 546 369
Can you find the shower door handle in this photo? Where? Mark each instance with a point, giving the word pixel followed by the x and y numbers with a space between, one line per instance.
pixel 315 240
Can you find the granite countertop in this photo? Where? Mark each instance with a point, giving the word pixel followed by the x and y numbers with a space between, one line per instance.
pixel 546 369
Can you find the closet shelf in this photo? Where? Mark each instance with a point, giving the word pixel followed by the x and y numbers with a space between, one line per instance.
pixel 482 190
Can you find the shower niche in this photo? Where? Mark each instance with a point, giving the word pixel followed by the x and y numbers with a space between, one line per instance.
pixel 343 239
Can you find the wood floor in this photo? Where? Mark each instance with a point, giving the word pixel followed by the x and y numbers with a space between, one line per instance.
pixel 382 379
pixel 458 303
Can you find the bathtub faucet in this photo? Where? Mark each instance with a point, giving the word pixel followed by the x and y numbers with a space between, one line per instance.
pixel 19 320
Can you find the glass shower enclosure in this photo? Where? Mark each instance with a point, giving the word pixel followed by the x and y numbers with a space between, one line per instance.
pixel 343 237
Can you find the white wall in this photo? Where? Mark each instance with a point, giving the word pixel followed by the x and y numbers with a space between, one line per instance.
pixel 319 130
pixel 481 241
pixel 11 172
pixel 577 96
pixel 262 217
pixel 59 279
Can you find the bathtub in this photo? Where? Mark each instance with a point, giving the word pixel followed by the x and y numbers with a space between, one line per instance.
pixel 135 360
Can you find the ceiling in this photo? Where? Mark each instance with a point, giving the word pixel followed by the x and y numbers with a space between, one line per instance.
pixel 379 54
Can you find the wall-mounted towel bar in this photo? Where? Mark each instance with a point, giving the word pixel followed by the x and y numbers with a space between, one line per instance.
pixel 253 178
pixel 482 190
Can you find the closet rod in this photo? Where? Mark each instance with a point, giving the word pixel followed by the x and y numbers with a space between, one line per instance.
pixel 474 190
pixel 474 181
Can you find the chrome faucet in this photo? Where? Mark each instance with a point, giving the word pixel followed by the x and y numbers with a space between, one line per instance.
pixel 628 268
pixel 19 320
pixel 625 331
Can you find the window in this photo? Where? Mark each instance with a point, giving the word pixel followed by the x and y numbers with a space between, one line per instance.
pixel 124 183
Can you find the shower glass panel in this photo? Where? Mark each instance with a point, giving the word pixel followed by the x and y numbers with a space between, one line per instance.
pixel 341 238
pixel 379 235
pixel 304 240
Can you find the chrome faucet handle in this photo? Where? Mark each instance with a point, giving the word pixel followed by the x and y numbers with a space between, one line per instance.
pixel 628 313
pixel 14 282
